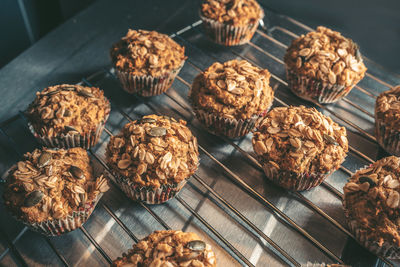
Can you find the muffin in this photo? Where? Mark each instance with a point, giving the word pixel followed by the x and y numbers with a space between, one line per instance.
pixel 230 98
pixel 152 158
pixel 323 66
pixel 67 116
pixel 371 205
pixel 147 62
pixel 299 147
pixel 169 248
pixel 53 191
pixel 387 120
pixel 230 22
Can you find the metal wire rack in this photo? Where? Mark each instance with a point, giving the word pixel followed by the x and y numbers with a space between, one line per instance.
pixel 248 220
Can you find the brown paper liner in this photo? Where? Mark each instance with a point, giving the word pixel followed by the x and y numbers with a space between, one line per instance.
pixel 294 181
pixel 386 250
pixel 148 195
pixel 147 85
pixel 228 35
pixel 388 139
pixel 228 127
pixel 314 90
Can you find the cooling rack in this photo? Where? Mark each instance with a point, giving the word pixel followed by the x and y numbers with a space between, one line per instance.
pixel 228 202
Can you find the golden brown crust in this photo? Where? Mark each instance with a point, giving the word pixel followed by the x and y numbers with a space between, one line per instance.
pixel 48 174
pixel 371 198
pixel 234 89
pixel 387 108
pixel 147 53
pixel 65 108
pixel 153 151
pixel 169 248
pixel 301 140
pixel 232 12
pixel 326 56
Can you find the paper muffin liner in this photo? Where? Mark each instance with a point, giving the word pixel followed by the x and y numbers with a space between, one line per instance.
pixel 147 85
pixel 310 264
pixel 146 194
pixel 228 35
pixel 228 127
pixel 294 181
pixel 388 139
pixel 66 141
pixel 315 90
pixel 386 250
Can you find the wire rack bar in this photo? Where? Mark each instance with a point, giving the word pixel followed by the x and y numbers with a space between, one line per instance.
pixel 247 221
pixel 97 246
pixel 11 246
pixel 212 229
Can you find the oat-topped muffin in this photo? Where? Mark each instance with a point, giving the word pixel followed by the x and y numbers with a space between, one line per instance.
pixel 68 115
pixel 371 203
pixel 299 147
pixel 231 22
pixel 152 157
pixel 229 98
pixel 147 62
pixel 169 248
pixel 53 191
pixel 387 120
pixel 323 65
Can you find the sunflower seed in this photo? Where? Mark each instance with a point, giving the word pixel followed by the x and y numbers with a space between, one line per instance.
pixel 44 159
pixel 85 93
pixel 69 88
pixel 77 172
pixel 393 199
pixel 260 148
pixel 330 140
pixel 157 131
pixel 147 120
pixel 196 245
pixel 70 129
pixel 53 92
pixel 33 198
pixel 372 182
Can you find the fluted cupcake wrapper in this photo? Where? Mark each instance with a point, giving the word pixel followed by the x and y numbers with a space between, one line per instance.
pixel 310 264
pixel 228 127
pixel 314 90
pixel 386 249
pixel 388 139
pixel 228 35
pixel 64 225
pixel 70 140
pixel 294 181
pixel 147 85
pixel 148 195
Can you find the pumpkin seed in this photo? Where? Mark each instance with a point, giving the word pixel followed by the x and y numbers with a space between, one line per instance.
pixel 196 245
pixel 77 172
pixel 44 159
pixel 33 198
pixel 70 129
pixel 367 179
pixel 157 131
pixel 330 140
pixel 149 120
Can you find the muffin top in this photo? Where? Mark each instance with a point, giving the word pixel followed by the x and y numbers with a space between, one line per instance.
pixel 169 248
pixel 147 53
pixel 301 140
pixel 50 184
pixel 327 56
pixel 63 109
pixel 234 89
pixel 232 12
pixel 371 197
pixel 153 151
pixel 387 108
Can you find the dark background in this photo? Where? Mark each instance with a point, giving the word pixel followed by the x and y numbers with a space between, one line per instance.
pixel 375 25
